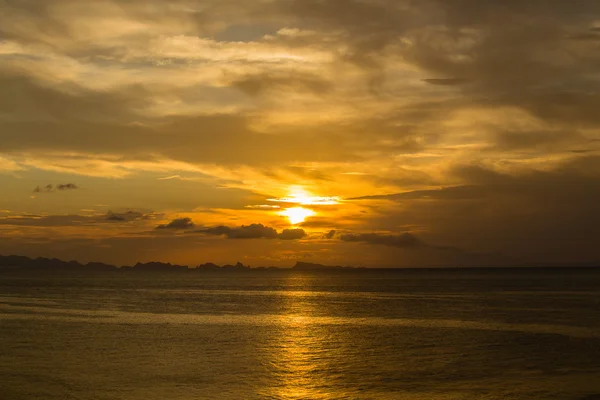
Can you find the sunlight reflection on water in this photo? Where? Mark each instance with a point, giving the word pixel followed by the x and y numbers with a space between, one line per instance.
pixel 299 336
pixel 297 349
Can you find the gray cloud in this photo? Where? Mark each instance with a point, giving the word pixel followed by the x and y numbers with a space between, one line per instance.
pixel 50 188
pixel 115 217
pixel 125 216
pixel 253 231
pixel 46 189
pixel 66 186
pixel 292 234
pixel 178 223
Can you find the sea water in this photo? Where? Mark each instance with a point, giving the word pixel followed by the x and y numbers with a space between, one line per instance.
pixel 285 334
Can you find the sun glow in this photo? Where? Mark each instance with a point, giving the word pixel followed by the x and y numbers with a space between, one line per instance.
pixel 299 195
pixel 297 215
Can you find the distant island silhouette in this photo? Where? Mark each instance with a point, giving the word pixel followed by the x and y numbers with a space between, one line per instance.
pixel 23 263
pixel 41 263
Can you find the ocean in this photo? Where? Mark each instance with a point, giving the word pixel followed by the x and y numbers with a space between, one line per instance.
pixel 285 334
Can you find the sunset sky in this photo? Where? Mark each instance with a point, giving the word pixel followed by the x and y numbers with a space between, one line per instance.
pixel 367 133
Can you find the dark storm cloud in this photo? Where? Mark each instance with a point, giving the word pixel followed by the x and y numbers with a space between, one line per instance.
pixel 405 240
pixel 178 223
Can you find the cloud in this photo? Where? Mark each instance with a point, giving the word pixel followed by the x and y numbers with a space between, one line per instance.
pixel 50 188
pixel 67 186
pixel 126 216
pixel 115 217
pixel 540 215
pixel 405 240
pixel 253 231
pixel 98 221
pixel 178 223
pixel 112 124
pixel 292 234
pixel 47 188
pixel 330 234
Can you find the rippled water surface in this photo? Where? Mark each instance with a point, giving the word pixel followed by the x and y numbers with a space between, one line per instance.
pixel 503 334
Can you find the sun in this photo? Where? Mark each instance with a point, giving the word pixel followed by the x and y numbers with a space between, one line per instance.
pixel 298 195
pixel 297 215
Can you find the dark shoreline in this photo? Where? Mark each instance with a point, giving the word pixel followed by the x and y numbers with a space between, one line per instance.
pixel 25 264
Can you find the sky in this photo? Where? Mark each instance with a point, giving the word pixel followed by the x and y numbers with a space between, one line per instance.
pixel 380 133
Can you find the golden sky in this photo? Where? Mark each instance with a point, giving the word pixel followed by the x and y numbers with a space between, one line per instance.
pixel 368 133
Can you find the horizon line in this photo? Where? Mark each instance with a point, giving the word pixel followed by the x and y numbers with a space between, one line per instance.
pixel 299 265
